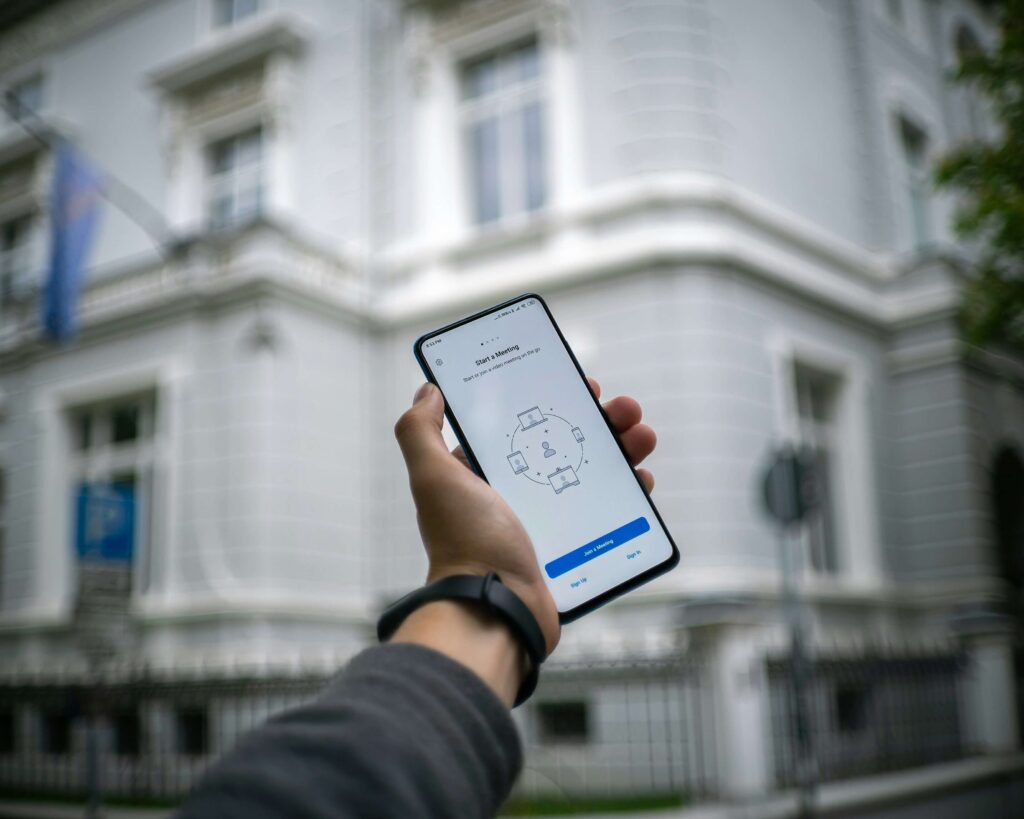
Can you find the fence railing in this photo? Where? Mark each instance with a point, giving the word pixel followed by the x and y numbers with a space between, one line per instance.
pixel 616 730
pixel 622 729
pixel 868 715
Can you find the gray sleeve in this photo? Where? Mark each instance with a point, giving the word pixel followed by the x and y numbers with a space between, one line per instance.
pixel 403 731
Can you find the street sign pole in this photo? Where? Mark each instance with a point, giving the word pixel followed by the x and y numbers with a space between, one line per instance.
pixel 786 495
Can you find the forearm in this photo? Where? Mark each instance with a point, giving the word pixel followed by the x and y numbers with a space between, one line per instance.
pixel 470 636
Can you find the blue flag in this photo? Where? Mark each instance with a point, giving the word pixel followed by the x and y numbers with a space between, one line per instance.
pixel 74 211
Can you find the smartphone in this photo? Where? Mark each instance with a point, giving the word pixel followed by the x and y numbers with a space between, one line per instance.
pixel 519 404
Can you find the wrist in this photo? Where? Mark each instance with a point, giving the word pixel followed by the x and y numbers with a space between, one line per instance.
pixel 470 634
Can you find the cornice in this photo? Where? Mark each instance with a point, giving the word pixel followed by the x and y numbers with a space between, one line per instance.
pixel 694 222
pixel 265 35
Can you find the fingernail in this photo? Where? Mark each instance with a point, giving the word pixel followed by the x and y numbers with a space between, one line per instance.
pixel 422 392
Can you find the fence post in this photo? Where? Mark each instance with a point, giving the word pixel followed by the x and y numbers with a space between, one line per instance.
pixel 990 705
pixel 741 702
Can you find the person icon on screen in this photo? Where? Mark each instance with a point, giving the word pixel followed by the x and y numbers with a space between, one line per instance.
pixel 548 451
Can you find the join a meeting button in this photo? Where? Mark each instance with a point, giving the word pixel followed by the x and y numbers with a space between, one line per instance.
pixel 597 547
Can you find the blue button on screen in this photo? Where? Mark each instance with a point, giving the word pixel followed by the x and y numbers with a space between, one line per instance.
pixel 596 547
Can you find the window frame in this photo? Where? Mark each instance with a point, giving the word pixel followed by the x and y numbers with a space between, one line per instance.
pixel 915 181
pixel 248 177
pixel 441 213
pixel 104 460
pixel 233 19
pixel 506 106
pixel 16 284
pixel 900 98
pixel 164 376
pixel 821 535
pixel 857 500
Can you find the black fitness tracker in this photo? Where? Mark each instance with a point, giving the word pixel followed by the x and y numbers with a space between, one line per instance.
pixel 493 594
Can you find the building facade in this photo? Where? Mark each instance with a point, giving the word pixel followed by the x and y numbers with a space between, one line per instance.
pixel 728 208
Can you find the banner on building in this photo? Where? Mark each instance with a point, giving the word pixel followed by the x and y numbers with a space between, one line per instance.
pixel 105 523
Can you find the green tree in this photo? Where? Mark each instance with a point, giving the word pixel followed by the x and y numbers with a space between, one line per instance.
pixel 989 178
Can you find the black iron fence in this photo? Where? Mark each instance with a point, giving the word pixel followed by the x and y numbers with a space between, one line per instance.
pixel 621 729
pixel 868 715
pixel 616 730
pixel 153 738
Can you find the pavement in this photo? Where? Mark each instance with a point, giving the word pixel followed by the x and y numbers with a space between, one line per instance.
pixel 14 809
pixel 918 791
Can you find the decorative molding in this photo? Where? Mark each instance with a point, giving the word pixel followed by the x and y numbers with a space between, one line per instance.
pixel 252 42
pixel 925 356
pixel 700 219
pixel 455 21
pixel 559 24
pixel 712 222
pixel 210 269
pixel 240 88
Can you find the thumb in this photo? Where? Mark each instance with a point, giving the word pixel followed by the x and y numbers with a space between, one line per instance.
pixel 419 430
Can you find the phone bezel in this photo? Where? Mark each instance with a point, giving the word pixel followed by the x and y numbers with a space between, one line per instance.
pixel 626 586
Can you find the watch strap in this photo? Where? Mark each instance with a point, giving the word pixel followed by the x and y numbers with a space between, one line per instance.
pixel 489 591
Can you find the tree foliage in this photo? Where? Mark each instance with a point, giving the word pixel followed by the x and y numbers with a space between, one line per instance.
pixel 989 177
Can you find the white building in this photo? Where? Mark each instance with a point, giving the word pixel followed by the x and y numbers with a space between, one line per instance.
pixel 727 206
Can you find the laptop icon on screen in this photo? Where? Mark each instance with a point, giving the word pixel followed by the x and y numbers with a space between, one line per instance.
pixel 531 418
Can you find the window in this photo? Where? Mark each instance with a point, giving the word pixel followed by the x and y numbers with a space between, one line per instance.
pixel 502 114
pixel 229 12
pixel 235 179
pixel 817 400
pixel 917 186
pixel 112 469
pixel 8 736
pixel 192 732
pixel 124 422
pixel 563 721
pixel 15 258
pixel 26 96
pixel 55 732
pixel 127 732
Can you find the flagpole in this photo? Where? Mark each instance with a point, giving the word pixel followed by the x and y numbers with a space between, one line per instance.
pixel 119 194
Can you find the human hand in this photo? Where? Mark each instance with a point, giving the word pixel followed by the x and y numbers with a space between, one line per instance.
pixel 467 527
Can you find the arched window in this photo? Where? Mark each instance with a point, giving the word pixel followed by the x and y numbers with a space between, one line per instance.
pixel 967 45
pixel 915 180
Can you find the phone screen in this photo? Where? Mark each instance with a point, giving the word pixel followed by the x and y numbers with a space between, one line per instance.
pixel 518 401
